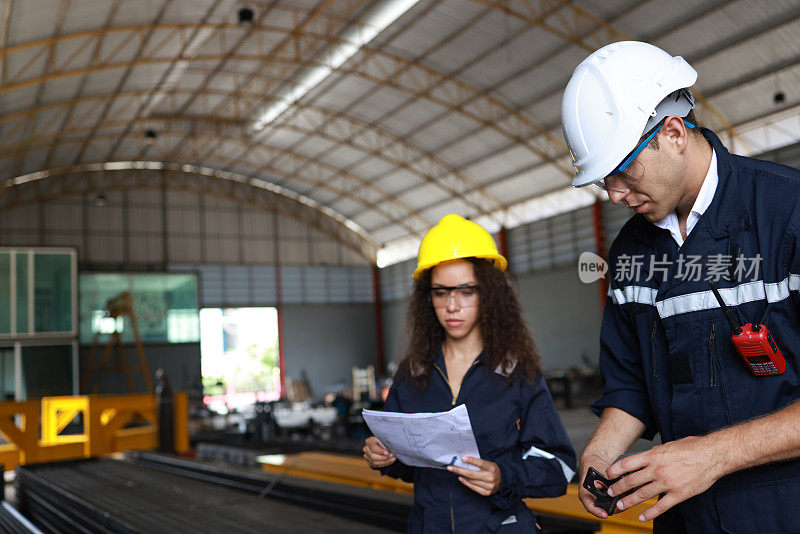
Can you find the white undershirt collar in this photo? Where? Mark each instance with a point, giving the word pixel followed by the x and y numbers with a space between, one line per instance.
pixel 701 203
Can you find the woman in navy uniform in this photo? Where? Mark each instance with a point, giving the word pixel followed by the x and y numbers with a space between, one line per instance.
pixel 469 345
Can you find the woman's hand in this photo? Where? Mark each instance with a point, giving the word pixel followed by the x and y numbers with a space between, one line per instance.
pixel 376 454
pixel 484 482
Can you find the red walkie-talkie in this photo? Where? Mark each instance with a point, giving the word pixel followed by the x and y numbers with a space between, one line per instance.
pixel 754 344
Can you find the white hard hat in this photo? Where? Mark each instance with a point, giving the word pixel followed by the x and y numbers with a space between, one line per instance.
pixel 609 100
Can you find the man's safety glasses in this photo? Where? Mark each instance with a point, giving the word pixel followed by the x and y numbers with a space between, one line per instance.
pixel 464 296
pixel 630 172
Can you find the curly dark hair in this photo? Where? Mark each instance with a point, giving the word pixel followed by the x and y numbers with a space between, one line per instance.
pixel 506 338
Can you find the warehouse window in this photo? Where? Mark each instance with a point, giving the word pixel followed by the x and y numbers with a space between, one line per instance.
pixel 52 290
pixel 5 293
pixel 37 292
pixel 239 356
pixel 164 305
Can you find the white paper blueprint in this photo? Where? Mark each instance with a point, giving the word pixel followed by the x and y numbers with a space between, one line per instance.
pixel 426 439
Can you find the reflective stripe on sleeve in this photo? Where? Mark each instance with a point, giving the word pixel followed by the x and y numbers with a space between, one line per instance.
pixel 539 453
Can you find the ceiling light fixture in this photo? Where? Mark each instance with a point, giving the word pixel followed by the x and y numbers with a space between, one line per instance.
pixel 334 56
pixel 245 16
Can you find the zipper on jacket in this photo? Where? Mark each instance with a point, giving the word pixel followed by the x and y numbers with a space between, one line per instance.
pixel 712 353
pixel 455 397
pixel 717 377
pixel 446 381
pixel 653 354
pixel 452 516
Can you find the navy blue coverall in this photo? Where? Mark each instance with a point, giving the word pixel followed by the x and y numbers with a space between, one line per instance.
pixel 666 353
pixel 516 426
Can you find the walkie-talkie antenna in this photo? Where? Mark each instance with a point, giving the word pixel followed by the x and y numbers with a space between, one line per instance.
pixel 735 328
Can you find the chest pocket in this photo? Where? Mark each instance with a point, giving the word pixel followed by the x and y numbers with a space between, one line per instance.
pixel 496 421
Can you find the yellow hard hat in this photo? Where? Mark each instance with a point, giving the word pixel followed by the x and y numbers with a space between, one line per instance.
pixel 455 237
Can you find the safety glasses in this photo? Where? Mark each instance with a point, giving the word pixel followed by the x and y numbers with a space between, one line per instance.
pixel 630 172
pixel 463 296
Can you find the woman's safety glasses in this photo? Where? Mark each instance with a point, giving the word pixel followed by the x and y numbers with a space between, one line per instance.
pixel 463 296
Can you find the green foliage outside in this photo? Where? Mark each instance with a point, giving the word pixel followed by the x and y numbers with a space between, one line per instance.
pixel 252 369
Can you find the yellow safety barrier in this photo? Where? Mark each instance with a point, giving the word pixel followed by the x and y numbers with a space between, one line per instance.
pixel 111 423
pixel 354 471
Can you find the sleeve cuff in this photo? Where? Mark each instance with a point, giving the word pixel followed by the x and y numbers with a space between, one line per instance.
pixel 634 403
pixel 398 470
pixel 508 494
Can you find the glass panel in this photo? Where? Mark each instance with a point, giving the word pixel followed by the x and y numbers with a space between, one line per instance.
pixel 150 307
pixel 5 293
pixel 47 371
pixel 52 293
pixel 165 306
pixel 183 320
pixel 95 291
pixel 22 292
pixel 6 374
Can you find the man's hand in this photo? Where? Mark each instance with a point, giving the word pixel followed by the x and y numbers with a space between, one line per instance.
pixel 484 482
pixel 678 469
pixel 376 454
pixel 600 463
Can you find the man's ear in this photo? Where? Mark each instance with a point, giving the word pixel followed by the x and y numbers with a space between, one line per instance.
pixel 675 133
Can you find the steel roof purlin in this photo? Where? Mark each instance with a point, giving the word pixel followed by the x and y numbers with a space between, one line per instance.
pixel 384 123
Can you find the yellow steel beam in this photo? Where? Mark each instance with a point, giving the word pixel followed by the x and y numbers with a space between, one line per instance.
pixel 355 472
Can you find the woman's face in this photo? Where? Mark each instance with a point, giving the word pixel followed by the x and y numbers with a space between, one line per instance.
pixel 455 297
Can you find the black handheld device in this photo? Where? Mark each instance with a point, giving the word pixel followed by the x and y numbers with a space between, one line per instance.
pixel 603 500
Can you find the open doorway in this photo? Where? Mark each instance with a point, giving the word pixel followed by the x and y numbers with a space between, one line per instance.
pixel 239 357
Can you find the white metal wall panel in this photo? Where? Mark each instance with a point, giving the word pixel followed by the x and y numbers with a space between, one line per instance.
pixel 184 249
pixel 144 249
pixel 22 218
pixel 131 228
pixel 263 285
pixel 614 218
pixel 63 216
pixel 221 250
pixel 241 286
pixel 221 222
pixel 292 284
pixel 293 252
pixel 211 286
pixel 63 239
pixel 257 223
pixel 183 221
pixel 106 249
pixel 142 219
pixel 258 250
pixel 396 280
pixel 236 284
pixel 107 218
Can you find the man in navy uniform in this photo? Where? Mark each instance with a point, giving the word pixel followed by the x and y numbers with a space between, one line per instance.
pixel 731 438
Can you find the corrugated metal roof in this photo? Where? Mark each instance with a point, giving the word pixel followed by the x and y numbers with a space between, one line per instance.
pixel 454 106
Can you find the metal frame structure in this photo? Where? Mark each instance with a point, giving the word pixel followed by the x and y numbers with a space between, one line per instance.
pixel 391 139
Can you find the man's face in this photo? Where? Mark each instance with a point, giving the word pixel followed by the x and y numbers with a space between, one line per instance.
pixel 658 192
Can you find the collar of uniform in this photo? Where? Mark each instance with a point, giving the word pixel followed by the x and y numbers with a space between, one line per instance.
pixel 438 358
pixel 726 214
pixel 701 203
